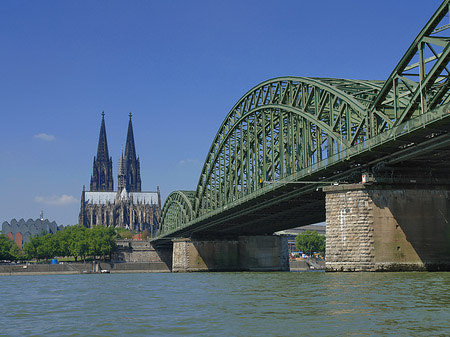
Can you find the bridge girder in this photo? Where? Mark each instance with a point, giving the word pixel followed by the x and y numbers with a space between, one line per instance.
pixel 286 127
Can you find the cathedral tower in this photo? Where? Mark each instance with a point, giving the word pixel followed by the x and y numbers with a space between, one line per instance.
pixel 131 163
pixel 102 177
pixel 121 178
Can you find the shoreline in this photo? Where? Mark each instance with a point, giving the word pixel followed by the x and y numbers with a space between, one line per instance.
pixel 122 268
pixel 83 268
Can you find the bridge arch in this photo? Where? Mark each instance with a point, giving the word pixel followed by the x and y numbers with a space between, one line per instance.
pixel 177 211
pixel 279 127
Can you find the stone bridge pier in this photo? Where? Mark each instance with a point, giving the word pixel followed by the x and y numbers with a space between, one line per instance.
pixel 245 253
pixel 384 227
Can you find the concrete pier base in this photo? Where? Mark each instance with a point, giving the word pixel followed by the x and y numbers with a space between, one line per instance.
pixel 387 228
pixel 246 253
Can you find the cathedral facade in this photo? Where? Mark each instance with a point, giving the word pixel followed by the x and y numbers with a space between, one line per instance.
pixel 127 207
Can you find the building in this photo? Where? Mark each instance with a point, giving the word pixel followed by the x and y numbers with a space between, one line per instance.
pixel 127 207
pixel 292 233
pixel 21 231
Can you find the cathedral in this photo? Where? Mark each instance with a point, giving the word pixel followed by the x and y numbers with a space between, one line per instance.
pixel 128 207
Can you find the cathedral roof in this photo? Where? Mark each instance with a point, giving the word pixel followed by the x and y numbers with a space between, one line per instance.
pixel 102 198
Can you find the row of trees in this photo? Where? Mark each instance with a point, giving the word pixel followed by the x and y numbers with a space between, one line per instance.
pixel 73 241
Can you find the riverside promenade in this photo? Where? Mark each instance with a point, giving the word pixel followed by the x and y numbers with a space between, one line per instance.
pixel 122 267
pixel 83 268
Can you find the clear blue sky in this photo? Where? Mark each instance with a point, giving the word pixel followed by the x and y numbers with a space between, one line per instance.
pixel 178 66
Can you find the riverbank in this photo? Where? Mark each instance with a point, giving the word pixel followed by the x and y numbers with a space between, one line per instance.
pixel 307 264
pixel 82 268
pixel 122 267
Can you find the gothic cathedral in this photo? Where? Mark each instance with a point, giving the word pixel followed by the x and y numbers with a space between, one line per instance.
pixel 127 207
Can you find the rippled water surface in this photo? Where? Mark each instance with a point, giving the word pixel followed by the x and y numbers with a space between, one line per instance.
pixel 226 304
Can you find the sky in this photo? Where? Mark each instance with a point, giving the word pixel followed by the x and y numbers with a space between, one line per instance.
pixel 177 66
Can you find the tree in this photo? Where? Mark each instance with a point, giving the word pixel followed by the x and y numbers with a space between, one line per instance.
pixel 9 249
pixel 101 241
pixel 30 248
pixel 145 234
pixel 79 245
pixel 16 253
pixel 310 242
pixel 124 233
pixel 62 239
pixel 47 247
pixel 107 243
pixel 5 247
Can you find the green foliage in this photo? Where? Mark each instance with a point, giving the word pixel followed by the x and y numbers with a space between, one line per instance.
pixel 145 234
pixel 310 242
pixel 78 244
pixel 76 241
pixel 5 247
pixel 30 248
pixel 16 253
pixel 125 233
pixel 101 240
pixel 9 249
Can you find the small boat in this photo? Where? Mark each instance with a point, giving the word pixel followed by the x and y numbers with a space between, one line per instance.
pixel 105 271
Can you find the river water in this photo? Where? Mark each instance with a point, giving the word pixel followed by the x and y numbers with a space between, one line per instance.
pixel 226 304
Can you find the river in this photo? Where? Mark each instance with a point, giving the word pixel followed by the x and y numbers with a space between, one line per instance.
pixel 226 304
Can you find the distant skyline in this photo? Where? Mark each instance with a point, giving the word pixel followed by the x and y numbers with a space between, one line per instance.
pixel 177 66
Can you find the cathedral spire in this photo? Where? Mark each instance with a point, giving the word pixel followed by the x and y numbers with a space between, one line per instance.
pixel 102 149
pixel 132 165
pixel 121 180
pixel 102 178
pixel 130 150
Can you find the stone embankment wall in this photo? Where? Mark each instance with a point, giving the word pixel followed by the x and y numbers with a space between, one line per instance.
pixel 82 268
pixel 247 253
pixel 131 256
pixel 135 251
pixel 308 264
pixel 13 269
pixel 386 228
pixel 135 267
pixel 141 251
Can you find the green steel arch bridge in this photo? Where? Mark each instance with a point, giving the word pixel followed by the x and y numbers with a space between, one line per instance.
pixel 289 136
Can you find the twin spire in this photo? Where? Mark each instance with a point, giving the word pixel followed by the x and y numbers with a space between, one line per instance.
pixel 129 176
pixel 102 177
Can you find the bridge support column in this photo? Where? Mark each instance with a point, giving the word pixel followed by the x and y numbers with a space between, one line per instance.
pixel 246 253
pixel 387 228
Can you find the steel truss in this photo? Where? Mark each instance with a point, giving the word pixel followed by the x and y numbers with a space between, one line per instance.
pixel 287 125
pixel 177 210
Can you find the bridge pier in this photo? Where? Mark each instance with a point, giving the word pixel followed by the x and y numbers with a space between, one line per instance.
pixel 387 227
pixel 246 253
